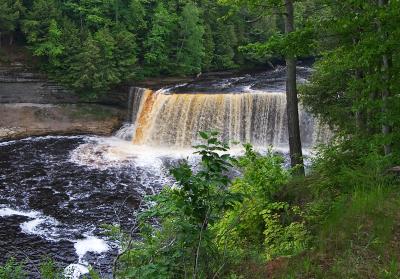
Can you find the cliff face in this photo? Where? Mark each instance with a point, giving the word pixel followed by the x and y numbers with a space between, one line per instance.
pixel 32 105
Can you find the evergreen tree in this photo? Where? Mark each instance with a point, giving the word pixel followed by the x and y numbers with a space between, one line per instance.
pixel 209 49
pixel 158 43
pixel 191 50
pixel 86 74
pixel 95 69
pixel 106 64
pixel 136 17
pixel 36 24
pixel 225 42
pixel 10 12
pixel 125 53
pixel 50 45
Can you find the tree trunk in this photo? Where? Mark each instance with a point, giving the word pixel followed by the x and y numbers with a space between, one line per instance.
pixel 116 12
pixel 296 156
pixel 359 114
pixel 386 64
pixel 386 128
pixel 0 38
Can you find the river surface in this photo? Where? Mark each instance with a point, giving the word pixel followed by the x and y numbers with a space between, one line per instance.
pixel 54 198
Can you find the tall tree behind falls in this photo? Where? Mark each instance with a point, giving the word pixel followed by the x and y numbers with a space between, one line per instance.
pixel 296 155
pixel 283 45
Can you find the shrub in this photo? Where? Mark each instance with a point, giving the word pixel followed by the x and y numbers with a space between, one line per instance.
pixel 12 270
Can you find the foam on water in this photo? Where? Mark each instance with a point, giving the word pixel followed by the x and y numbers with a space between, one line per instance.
pixel 30 227
pixel 6 211
pixel 75 271
pixel 90 244
pixel 41 225
pixel 49 229
pixel 103 153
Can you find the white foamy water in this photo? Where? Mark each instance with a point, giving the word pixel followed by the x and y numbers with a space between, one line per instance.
pixel 103 153
pixel 75 271
pixel 50 229
pixel 5 212
pixel 40 225
pixel 90 244
pixel 31 227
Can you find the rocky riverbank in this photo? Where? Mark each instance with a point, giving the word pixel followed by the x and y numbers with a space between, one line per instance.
pixel 32 105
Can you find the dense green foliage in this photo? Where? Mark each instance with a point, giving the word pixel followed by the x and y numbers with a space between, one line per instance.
pixel 356 83
pixel 207 222
pixel 92 45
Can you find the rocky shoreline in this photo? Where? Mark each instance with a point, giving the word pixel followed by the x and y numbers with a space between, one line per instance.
pixel 32 105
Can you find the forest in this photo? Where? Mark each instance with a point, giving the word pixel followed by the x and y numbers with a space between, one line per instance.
pixel 131 39
pixel 337 217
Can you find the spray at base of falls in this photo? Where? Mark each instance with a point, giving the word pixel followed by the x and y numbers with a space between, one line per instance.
pixel 174 120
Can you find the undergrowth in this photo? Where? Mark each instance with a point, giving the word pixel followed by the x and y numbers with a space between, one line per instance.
pixel 340 221
pixel 351 210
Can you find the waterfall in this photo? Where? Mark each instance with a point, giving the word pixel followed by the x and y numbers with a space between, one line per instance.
pixel 127 131
pixel 256 118
pixel 135 99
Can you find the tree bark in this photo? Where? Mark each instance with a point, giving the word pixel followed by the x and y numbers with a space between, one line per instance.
pixel 386 64
pixel 296 155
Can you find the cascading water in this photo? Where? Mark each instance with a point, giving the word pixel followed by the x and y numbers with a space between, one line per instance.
pixel 135 105
pixel 259 118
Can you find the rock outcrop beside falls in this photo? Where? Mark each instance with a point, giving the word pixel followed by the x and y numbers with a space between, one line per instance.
pixel 31 105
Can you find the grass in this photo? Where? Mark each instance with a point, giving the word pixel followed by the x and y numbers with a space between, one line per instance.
pixel 358 239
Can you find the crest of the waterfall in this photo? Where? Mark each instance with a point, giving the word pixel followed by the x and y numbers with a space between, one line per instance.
pixel 170 90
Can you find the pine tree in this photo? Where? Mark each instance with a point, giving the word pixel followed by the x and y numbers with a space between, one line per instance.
pixel 125 53
pixel 95 69
pixel 85 71
pixel 158 43
pixel 10 13
pixel 225 42
pixel 209 49
pixel 50 46
pixel 190 52
pixel 38 20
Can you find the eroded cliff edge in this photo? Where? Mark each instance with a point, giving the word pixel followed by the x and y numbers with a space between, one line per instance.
pixel 32 105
